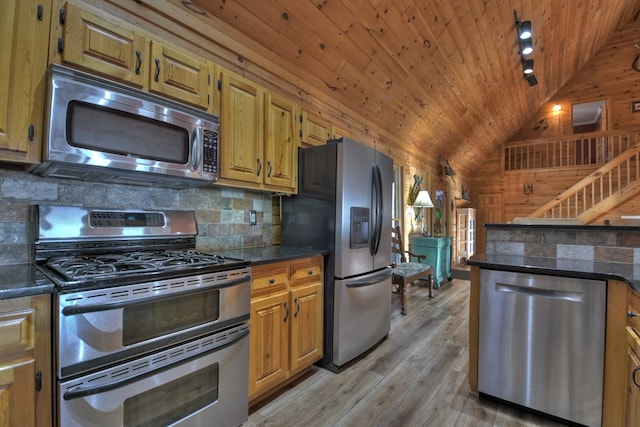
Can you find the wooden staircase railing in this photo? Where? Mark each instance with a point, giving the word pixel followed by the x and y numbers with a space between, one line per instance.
pixel 599 192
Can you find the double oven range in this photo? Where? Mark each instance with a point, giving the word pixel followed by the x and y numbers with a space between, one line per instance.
pixel 148 331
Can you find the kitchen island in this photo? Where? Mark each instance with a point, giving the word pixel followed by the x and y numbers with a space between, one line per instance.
pixel 603 253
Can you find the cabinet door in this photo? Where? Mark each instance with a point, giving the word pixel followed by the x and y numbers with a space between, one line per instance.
pixel 269 343
pixel 282 133
pixel 105 47
pixel 306 326
pixel 179 76
pixel 24 30
pixel 17 394
pixel 633 372
pixel 241 128
pixel 315 130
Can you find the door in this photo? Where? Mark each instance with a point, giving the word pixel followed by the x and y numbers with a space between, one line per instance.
pixel 354 210
pixel 541 343
pixel 282 133
pixel 489 212
pixel 242 130
pixel 362 314
pixel 269 342
pixel 382 257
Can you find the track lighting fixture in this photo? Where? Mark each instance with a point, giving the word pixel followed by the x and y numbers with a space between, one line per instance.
pixel 524 30
pixel 525 45
pixel 531 79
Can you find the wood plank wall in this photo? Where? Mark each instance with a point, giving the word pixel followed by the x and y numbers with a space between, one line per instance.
pixel 607 76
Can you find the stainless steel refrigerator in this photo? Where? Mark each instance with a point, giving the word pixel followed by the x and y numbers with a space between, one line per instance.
pixel 344 206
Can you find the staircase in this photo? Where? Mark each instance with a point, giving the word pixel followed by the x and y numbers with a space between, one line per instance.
pixel 600 191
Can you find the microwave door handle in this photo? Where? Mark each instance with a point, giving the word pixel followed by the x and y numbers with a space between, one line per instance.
pixel 196 154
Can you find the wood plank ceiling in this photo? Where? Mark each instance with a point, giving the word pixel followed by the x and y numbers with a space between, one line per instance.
pixel 442 75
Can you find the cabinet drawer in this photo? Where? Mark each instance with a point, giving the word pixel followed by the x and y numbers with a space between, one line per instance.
pixel 17 331
pixel 307 271
pixel 270 277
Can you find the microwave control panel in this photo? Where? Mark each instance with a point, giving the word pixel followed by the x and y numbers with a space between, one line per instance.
pixel 210 152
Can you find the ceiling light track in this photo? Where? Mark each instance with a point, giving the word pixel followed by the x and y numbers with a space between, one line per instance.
pixel 524 31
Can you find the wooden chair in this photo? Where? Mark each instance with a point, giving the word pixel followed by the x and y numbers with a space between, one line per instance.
pixel 407 272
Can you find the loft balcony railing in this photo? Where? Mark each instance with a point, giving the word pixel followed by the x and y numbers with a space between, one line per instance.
pixel 596 148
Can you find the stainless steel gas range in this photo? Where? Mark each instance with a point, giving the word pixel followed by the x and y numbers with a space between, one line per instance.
pixel 148 331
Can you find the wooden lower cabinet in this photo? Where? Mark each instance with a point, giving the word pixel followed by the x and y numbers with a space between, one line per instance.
pixel 25 362
pixel 286 322
pixel 632 412
pixel 632 371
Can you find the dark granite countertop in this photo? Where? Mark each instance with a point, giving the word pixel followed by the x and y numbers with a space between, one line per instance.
pixel 23 280
pixel 268 254
pixel 626 272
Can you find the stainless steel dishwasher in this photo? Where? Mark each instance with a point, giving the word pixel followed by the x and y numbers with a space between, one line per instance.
pixel 541 343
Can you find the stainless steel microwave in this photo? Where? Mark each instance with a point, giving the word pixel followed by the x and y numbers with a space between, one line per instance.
pixel 99 130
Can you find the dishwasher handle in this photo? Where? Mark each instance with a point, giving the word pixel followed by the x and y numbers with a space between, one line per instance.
pixel 540 292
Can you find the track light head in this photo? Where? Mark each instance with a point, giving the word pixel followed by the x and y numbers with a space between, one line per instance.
pixel 524 30
pixel 526 47
pixel 531 79
pixel 527 66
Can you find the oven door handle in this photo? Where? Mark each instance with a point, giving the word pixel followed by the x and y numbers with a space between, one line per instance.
pixel 88 391
pixel 73 309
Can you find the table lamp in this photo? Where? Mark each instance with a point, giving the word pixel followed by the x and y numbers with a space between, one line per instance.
pixel 423 201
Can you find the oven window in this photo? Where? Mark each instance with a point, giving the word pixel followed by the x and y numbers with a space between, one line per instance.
pixel 173 401
pixel 153 319
pixel 99 128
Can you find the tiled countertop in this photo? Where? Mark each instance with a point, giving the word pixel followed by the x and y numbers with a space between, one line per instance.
pixel 626 272
pixel 23 280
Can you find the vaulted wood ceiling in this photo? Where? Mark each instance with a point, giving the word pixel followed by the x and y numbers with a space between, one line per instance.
pixel 443 75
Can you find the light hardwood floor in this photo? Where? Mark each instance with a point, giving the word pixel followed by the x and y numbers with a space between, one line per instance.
pixel 416 377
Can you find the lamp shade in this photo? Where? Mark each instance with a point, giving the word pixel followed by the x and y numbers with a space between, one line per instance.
pixel 423 200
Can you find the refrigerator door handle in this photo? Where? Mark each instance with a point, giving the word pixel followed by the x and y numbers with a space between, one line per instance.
pixel 378 209
pixel 369 279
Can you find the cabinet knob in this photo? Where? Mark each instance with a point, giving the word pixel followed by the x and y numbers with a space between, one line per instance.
pixel 631 314
pixel 310 272
pixel 272 281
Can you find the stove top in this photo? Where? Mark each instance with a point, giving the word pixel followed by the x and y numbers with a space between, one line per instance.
pixel 132 263
pixel 80 247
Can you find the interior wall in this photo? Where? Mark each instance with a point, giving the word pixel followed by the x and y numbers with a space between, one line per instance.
pixel 607 76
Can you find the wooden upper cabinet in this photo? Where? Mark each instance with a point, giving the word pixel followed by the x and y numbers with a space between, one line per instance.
pixel 24 29
pixel 179 75
pixel 124 53
pixel 241 129
pixel 282 130
pixel 103 46
pixel 315 130
pixel 260 134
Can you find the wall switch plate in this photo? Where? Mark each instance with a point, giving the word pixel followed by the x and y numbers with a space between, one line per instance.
pixel 252 217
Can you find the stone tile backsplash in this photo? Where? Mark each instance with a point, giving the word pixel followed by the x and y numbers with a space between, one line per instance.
pixel 221 212
pixel 580 243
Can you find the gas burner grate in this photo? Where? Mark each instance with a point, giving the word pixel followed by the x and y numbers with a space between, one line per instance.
pixel 107 265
